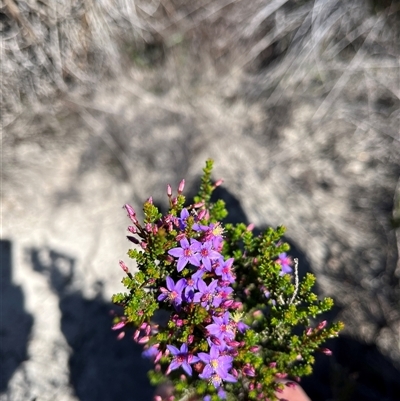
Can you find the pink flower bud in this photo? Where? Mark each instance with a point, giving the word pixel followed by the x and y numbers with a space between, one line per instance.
pixel 130 211
pixel 281 375
pixel 198 205
pixel 183 378
pixel 124 267
pixel 237 305
pixel 132 229
pixel 227 303
pixel 251 386
pixel 326 351
pixel 322 325
pixel 181 186
pixel 309 331
pixel 248 370
pixel 169 191
pixel 157 398
pixel 254 348
pixel 157 368
pixel 250 227
pixel 201 214
pixel 150 200
pixel 291 384
pixel 143 245
pixel 190 338
pixel 218 182
pixel 121 335
pixel 171 398
pixel 180 236
pixel 158 356
pixel 272 365
pixel 148 330
pixel 149 227
pixel 118 325
pixel 234 372
pixel 258 386
pixel 216 341
pixel 234 353
pixel 144 340
pixel 136 335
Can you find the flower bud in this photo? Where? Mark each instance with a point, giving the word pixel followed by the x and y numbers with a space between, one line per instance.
pixel 227 303
pixel 158 356
pixel 136 335
pixel 143 245
pixel 181 186
pixel 124 267
pixel 251 386
pixel 218 183
pixel 272 365
pixel 254 348
pixel 144 340
pixel 322 325
pixel 169 191
pixel 157 398
pixel 118 325
pixel 190 338
pixel 150 200
pixel 326 351
pixel 198 205
pixel 121 335
pixel 131 212
pixel 309 331
pixel 250 227
pixel 237 305
pixel 133 239
pixel 132 229
pixel 281 375
pixel 180 236
pixel 201 214
pixel 248 370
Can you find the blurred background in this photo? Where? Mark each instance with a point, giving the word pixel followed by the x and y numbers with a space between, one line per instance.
pixel 107 101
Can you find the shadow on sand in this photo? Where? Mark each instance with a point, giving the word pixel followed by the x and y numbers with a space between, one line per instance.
pixel 101 367
pixel 15 322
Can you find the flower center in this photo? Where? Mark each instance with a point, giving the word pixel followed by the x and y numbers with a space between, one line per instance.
pixel 214 363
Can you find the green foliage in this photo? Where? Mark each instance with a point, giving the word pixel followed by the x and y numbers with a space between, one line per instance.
pixel 280 309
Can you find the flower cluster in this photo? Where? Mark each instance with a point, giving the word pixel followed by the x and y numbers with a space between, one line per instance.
pixel 230 298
